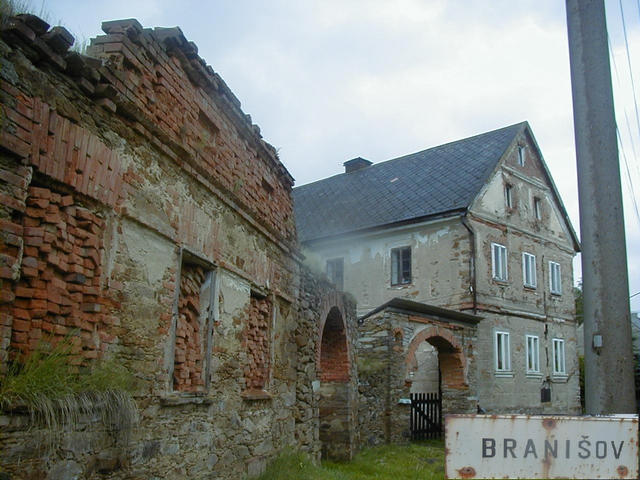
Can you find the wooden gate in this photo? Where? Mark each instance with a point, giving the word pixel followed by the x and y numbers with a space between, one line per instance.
pixel 426 416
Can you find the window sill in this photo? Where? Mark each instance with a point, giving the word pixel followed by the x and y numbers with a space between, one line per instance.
pixel 556 295
pixel 251 395
pixel 559 378
pixel 531 288
pixel 503 374
pixel 178 399
pixel 536 375
pixel 502 283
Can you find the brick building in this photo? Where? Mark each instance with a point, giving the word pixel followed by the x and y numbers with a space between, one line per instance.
pixel 144 218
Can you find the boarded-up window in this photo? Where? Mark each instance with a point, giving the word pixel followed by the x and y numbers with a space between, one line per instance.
pixel 257 342
pixel 193 327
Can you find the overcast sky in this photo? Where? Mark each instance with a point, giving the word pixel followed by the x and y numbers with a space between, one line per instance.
pixel 331 80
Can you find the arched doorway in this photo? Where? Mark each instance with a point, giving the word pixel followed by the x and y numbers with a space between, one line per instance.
pixel 335 401
pixel 436 373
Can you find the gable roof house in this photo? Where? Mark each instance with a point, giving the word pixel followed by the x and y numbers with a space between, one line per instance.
pixel 476 226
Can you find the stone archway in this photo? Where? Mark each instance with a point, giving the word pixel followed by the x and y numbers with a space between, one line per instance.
pixel 336 398
pixel 454 386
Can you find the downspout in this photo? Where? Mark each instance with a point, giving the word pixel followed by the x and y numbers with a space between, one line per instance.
pixel 472 262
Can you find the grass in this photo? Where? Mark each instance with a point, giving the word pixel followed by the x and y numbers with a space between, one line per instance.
pixel 424 461
pixel 58 396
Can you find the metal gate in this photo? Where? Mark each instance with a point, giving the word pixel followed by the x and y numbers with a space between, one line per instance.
pixel 426 416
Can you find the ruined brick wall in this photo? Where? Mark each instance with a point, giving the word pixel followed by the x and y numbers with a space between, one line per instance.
pixel 141 214
pixel 317 298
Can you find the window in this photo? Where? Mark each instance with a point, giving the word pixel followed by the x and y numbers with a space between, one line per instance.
pixel 503 354
pixel 400 266
pixel 257 338
pixel 335 272
pixel 558 357
pixel 195 311
pixel 499 262
pixel 555 280
pixel 529 270
pixel 537 208
pixel 521 155
pixel 533 354
pixel 508 195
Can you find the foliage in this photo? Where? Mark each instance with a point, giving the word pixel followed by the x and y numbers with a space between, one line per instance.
pixel 577 293
pixel 57 396
pixel 9 8
pixel 424 460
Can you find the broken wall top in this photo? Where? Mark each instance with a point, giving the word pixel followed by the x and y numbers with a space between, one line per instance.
pixel 153 82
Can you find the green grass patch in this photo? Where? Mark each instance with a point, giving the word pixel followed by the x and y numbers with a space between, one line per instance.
pixel 57 395
pixel 424 461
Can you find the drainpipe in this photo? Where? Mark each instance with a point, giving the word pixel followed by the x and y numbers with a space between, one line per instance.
pixel 472 262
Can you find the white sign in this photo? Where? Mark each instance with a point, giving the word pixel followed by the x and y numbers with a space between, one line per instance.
pixel 522 446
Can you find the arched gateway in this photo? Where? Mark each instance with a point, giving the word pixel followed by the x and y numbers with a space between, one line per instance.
pixel 337 399
pixel 392 354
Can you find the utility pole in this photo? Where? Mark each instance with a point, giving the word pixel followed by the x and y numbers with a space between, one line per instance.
pixel 609 382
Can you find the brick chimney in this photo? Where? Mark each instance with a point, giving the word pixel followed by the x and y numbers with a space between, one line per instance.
pixel 356 164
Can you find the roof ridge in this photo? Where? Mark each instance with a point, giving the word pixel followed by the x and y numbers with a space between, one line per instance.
pixel 385 162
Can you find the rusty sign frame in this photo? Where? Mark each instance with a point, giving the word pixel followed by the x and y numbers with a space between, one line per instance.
pixel 537 446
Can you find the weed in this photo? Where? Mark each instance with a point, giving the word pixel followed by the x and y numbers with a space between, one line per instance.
pixel 57 397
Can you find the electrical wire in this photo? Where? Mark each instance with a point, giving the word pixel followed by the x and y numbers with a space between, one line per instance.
pixel 626 164
pixel 633 85
pixel 626 116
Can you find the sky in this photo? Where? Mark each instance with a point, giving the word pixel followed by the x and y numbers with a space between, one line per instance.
pixel 330 80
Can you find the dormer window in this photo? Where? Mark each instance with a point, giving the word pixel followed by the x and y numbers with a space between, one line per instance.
pixel 521 155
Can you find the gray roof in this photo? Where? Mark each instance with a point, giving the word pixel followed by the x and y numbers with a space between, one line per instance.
pixel 435 182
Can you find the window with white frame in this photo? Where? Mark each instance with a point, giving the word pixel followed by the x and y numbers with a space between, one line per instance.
pixel 335 272
pixel 508 195
pixel 529 270
pixel 521 155
pixel 499 261
pixel 533 354
pixel 555 278
pixel 559 367
pixel 502 352
pixel 400 266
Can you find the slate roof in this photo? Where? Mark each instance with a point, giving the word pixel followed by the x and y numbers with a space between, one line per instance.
pixel 438 181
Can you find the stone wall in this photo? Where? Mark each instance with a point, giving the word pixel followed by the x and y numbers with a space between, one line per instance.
pixel 327 395
pixel 143 217
pixel 387 343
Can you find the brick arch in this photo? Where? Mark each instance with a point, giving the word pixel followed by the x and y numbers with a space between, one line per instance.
pixel 332 350
pixel 450 355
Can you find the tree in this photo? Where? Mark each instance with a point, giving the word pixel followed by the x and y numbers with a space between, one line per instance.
pixel 577 293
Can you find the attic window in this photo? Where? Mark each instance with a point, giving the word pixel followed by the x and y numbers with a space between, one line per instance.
pixel 521 155
pixel 537 208
pixel 508 195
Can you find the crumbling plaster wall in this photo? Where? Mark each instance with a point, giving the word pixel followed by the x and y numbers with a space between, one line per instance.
pixel 152 147
pixel 440 271
pixel 510 306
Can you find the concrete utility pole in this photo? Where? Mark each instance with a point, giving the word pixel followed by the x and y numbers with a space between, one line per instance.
pixel 609 379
